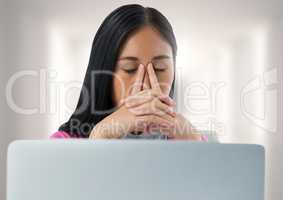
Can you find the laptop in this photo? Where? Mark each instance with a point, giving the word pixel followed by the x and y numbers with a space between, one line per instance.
pixel 83 169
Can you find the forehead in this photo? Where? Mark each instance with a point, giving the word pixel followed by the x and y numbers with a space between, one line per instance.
pixel 146 42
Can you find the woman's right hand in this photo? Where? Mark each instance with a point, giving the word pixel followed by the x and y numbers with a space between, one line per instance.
pixel 139 111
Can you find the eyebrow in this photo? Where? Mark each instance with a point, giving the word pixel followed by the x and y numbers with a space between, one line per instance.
pixel 132 58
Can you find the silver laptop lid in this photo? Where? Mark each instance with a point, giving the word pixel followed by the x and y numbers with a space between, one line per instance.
pixel 134 169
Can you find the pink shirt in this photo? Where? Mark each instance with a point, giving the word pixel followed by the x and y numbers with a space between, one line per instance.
pixel 60 134
pixel 65 135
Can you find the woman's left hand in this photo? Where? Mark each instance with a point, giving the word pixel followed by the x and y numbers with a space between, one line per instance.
pixel 182 129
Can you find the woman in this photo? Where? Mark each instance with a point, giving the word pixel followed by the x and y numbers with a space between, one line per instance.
pixel 129 83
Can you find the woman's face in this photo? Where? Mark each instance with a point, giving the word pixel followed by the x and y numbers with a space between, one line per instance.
pixel 143 47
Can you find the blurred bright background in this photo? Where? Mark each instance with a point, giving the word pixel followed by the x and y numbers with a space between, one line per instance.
pixel 229 69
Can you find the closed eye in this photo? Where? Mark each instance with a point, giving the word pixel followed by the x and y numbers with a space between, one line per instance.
pixel 130 71
pixel 159 70
pixel 160 66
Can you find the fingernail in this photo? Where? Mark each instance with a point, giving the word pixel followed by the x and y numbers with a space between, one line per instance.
pixel 171 110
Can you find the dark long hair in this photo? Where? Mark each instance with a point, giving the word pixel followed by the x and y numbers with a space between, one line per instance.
pixel 95 101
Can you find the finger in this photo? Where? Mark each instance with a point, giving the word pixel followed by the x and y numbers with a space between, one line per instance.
pixel 168 100
pixel 149 120
pixel 136 100
pixel 140 98
pixel 145 110
pixel 165 108
pixel 154 108
pixel 147 95
pixel 152 78
pixel 139 79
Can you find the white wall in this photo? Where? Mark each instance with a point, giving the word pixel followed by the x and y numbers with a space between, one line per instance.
pixel 230 42
pixel 274 141
pixel 3 140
